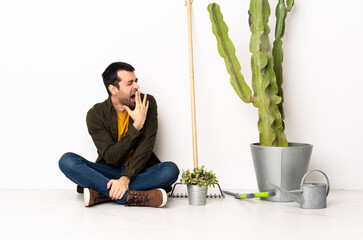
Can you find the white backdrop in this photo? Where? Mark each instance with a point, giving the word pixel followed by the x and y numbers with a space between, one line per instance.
pixel 52 54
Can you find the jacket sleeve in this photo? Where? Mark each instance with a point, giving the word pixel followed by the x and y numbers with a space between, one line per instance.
pixel 145 144
pixel 111 151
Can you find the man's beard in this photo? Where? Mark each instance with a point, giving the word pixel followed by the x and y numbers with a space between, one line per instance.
pixel 127 102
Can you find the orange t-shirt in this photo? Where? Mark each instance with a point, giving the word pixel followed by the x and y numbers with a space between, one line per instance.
pixel 123 126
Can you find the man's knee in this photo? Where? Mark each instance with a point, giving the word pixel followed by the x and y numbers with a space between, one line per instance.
pixel 67 161
pixel 172 170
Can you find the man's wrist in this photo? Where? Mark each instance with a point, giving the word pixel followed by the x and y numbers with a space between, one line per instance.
pixel 125 178
pixel 137 127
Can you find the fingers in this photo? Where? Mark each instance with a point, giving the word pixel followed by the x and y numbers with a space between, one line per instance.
pixel 137 99
pixel 118 189
pixel 145 104
pixel 120 194
pixel 147 107
pixel 144 100
pixel 127 109
pixel 114 194
pixel 140 111
pixel 111 194
pixel 109 184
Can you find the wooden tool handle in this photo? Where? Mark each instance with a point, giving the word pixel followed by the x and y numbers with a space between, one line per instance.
pixel 192 91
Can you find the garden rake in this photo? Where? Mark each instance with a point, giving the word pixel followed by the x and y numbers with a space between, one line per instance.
pixel 192 95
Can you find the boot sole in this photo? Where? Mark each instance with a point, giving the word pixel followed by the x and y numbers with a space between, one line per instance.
pixel 165 197
pixel 86 197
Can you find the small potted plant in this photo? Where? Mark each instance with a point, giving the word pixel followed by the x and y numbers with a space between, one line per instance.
pixel 197 184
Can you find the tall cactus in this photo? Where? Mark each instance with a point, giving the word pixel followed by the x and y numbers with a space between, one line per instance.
pixel 281 14
pixel 266 67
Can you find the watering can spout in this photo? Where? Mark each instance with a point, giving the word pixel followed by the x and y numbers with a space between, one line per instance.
pixel 295 195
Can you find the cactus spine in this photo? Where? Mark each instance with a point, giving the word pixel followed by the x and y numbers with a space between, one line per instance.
pixel 266 67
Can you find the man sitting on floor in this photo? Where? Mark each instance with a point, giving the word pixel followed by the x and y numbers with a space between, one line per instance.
pixel 123 129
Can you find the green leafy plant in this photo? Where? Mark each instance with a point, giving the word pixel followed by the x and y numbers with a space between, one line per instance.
pixel 199 177
pixel 266 66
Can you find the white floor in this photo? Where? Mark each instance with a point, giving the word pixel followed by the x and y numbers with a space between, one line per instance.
pixel 59 214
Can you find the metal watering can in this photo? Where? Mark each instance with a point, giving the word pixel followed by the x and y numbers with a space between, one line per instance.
pixel 310 195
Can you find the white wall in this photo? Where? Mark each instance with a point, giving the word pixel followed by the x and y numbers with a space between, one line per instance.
pixel 52 54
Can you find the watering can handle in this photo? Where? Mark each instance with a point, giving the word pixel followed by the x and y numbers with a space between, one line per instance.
pixel 327 179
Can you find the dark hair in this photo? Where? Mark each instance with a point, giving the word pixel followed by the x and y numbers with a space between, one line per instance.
pixel 110 74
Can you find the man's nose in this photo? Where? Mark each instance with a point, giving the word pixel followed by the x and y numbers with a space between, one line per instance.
pixel 136 86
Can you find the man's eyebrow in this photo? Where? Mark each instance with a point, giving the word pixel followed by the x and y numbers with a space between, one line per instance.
pixel 132 80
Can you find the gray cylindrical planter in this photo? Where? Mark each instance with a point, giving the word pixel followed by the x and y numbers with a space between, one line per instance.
pixel 197 196
pixel 282 166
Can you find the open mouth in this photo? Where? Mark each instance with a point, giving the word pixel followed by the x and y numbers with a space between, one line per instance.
pixel 132 98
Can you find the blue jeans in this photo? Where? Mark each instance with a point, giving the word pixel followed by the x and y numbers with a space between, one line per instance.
pixel 96 176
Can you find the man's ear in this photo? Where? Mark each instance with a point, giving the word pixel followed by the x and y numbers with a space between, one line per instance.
pixel 112 89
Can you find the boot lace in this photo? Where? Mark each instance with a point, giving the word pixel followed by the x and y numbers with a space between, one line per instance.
pixel 137 199
pixel 101 198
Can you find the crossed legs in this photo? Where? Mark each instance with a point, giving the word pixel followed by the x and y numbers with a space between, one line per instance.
pixel 96 176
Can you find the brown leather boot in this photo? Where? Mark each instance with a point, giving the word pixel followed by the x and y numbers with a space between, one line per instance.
pixel 91 197
pixel 150 198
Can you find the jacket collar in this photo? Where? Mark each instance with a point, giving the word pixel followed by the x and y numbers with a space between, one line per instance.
pixel 109 104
